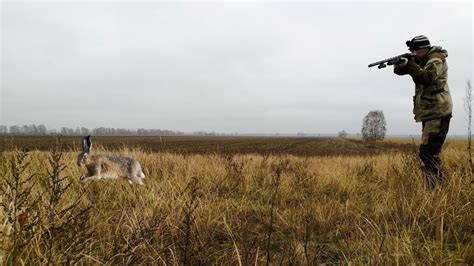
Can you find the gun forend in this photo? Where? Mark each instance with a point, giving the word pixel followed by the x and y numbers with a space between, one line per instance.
pixel 390 61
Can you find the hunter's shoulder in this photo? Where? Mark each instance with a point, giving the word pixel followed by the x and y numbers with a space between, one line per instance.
pixel 436 55
pixel 437 52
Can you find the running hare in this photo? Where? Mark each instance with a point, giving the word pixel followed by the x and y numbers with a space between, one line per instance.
pixel 105 167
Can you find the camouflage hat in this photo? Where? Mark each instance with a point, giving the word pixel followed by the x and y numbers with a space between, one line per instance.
pixel 418 42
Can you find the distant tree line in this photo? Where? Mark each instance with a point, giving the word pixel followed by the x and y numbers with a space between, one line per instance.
pixel 25 129
pixel 100 131
pixel 212 133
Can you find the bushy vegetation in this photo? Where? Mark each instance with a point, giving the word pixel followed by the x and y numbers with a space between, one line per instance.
pixel 237 209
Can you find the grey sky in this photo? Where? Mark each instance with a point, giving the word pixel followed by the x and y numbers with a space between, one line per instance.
pixel 229 67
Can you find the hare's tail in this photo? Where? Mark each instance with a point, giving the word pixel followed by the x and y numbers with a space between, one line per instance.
pixel 141 174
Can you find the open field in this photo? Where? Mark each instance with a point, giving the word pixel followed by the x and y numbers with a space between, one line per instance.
pixel 212 145
pixel 235 201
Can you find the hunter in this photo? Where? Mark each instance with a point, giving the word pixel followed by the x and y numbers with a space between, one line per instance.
pixel 432 101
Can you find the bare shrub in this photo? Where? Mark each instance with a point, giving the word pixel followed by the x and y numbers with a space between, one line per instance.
pixel 67 236
pixel 278 169
pixel 186 239
pixel 19 207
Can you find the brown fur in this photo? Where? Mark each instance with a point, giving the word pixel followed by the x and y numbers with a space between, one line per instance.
pixel 105 167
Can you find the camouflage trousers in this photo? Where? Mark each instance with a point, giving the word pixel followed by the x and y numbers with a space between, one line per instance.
pixel 433 137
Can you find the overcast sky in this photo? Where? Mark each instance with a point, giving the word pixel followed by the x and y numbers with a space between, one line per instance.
pixel 243 67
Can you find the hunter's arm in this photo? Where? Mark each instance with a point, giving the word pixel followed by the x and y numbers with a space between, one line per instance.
pixel 428 74
pixel 400 70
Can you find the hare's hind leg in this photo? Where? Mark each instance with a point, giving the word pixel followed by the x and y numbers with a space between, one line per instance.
pixel 89 178
pixel 135 180
pixel 139 181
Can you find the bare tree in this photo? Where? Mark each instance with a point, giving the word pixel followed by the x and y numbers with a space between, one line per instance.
pixel 14 129
pixel 42 130
pixel 84 131
pixel 3 129
pixel 468 109
pixel 342 134
pixel 374 126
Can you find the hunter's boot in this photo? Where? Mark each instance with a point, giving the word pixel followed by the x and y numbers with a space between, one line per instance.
pixel 432 172
pixel 431 169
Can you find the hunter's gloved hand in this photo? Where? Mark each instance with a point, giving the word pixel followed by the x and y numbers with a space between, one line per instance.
pixel 403 62
pixel 405 65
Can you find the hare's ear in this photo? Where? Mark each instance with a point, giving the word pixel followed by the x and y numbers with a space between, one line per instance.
pixel 86 144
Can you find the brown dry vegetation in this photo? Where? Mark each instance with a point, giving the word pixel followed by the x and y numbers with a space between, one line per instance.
pixel 241 208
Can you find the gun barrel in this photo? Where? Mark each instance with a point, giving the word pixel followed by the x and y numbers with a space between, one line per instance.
pixel 384 61
pixel 377 63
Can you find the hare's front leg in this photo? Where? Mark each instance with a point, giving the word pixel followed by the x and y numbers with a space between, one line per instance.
pixel 92 173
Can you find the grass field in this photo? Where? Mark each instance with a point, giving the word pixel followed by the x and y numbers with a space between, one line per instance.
pixel 235 201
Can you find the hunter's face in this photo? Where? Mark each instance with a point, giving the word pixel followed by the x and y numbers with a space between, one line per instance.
pixel 420 52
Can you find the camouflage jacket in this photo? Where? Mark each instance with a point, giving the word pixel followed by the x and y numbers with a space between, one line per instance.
pixel 432 98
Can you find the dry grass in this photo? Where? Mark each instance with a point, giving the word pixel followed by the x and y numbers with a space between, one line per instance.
pixel 250 209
